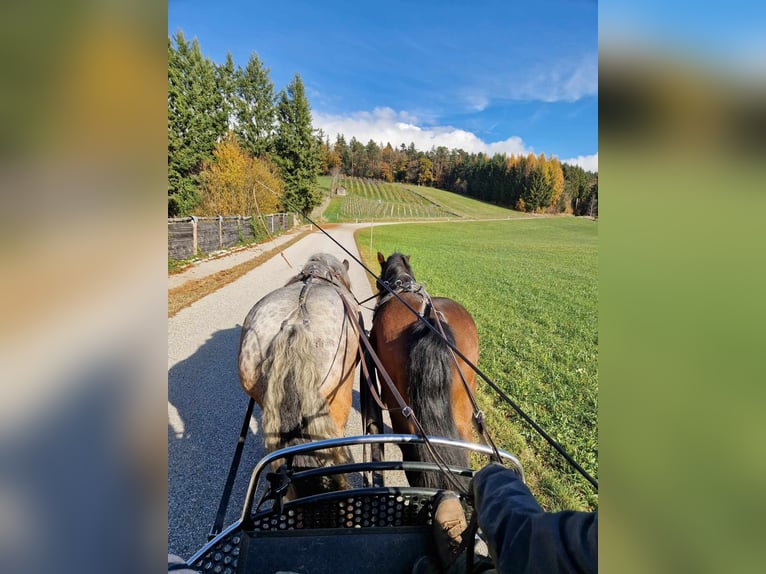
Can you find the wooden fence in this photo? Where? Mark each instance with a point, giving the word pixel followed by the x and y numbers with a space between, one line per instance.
pixel 186 235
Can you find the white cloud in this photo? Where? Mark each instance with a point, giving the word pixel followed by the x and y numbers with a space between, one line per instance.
pixel 384 125
pixel 587 162
pixel 566 82
pixel 477 102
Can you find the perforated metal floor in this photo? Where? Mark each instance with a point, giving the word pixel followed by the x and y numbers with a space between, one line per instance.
pixel 370 508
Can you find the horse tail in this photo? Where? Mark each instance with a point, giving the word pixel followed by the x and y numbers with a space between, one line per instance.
pixel 294 412
pixel 430 393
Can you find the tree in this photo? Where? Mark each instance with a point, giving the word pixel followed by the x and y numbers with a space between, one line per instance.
pixel 538 192
pixel 341 148
pixel 323 147
pixel 440 159
pixel 554 179
pixel 373 159
pixel 226 76
pixel 256 115
pixel 593 203
pixel 235 183
pixel 196 120
pixel 296 150
pixel 425 172
pixel 358 158
pixel 578 185
pixel 334 162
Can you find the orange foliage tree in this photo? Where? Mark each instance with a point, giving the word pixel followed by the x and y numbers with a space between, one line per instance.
pixel 235 183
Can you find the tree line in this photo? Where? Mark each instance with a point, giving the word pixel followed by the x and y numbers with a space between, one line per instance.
pixel 234 143
pixel 524 182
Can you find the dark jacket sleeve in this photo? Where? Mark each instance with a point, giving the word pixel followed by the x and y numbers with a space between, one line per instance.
pixel 522 538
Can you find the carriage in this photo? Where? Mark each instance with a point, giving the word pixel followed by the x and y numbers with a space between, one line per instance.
pixel 312 507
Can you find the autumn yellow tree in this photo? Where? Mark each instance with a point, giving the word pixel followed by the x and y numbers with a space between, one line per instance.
pixel 235 183
pixel 554 180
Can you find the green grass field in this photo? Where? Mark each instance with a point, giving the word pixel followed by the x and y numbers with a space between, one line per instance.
pixel 531 286
pixel 369 200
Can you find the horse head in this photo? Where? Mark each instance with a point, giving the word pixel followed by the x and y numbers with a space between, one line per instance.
pixel 395 268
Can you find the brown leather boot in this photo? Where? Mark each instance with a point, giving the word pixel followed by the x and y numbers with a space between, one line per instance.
pixel 449 523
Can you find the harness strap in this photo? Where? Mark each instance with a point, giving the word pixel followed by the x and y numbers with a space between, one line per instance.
pixel 366 342
pixel 302 299
pixel 368 378
pixel 469 541
pixel 221 514
pixel 370 298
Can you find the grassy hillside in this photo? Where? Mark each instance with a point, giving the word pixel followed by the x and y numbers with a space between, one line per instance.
pixel 531 286
pixel 368 200
pixel 465 206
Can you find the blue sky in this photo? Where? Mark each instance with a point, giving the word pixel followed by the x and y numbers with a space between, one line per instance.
pixel 492 76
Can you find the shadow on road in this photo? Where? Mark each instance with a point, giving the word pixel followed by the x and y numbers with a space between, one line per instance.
pixel 207 405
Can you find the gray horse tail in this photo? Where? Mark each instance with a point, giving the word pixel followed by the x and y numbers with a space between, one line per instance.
pixel 294 412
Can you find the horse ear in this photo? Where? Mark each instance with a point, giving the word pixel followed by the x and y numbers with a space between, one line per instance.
pixel 407 258
pixel 345 264
pixel 381 258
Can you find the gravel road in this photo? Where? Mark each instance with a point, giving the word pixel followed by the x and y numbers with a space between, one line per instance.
pixel 206 403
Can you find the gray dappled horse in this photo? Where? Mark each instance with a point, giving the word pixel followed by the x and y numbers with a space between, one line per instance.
pixel 297 355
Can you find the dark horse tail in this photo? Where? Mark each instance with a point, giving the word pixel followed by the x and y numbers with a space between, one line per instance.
pixel 294 412
pixel 430 393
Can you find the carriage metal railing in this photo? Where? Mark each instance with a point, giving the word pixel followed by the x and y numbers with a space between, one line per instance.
pixel 399 439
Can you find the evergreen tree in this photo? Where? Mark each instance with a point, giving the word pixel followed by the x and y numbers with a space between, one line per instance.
pixel 227 86
pixel 196 120
pixel 593 201
pixel 373 160
pixel 538 192
pixel 358 158
pixel 341 148
pixel 296 148
pixel 256 115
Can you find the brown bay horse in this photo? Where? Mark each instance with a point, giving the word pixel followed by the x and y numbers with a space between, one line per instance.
pixel 422 367
pixel 297 355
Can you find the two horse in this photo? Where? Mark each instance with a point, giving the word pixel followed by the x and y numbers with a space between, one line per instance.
pixel 423 368
pixel 298 351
